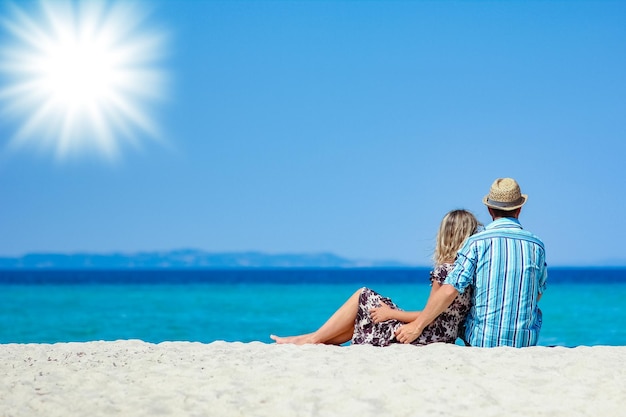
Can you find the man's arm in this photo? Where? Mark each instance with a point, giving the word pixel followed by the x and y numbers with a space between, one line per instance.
pixel 440 300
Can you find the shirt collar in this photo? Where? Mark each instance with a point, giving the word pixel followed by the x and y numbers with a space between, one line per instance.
pixel 504 222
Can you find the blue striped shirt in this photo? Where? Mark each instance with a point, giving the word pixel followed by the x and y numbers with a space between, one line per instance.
pixel 506 266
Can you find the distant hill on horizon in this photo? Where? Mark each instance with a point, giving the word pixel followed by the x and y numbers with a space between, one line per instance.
pixel 188 259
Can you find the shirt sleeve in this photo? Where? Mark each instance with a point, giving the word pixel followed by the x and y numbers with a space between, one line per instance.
pixel 463 273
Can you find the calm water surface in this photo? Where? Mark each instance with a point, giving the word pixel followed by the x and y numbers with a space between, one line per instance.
pixel 576 311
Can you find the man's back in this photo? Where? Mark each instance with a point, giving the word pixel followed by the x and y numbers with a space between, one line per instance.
pixel 506 266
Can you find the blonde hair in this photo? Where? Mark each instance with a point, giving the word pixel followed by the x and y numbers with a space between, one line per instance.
pixel 455 228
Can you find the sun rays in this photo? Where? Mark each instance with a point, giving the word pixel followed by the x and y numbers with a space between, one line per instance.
pixel 81 76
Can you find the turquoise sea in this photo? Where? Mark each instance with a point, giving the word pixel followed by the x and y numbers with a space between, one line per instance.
pixel 580 306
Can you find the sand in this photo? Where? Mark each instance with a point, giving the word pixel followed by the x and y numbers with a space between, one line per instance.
pixel 134 378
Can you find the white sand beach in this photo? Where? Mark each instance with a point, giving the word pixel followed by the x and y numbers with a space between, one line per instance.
pixel 134 378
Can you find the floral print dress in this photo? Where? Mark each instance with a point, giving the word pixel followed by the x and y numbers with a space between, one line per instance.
pixel 445 328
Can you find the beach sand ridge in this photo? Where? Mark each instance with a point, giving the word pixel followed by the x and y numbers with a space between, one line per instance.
pixel 135 378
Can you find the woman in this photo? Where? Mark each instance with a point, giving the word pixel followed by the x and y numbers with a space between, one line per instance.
pixel 369 318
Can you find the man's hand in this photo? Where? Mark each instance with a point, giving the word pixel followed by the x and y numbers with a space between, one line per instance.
pixel 408 333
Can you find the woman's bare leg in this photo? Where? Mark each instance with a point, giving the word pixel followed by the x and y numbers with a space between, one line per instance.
pixel 342 338
pixel 338 329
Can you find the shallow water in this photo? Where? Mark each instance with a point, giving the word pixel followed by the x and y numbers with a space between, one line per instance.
pixel 574 313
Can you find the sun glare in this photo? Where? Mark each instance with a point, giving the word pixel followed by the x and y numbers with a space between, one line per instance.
pixel 81 76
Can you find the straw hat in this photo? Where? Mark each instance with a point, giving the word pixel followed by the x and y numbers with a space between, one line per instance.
pixel 505 194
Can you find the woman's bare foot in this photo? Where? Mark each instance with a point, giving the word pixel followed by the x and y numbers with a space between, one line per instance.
pixel 304 339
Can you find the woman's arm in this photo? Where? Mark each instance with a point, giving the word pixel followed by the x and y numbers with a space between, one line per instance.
pixel 384 312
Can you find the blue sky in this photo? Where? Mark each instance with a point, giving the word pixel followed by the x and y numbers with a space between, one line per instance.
pixel 347 127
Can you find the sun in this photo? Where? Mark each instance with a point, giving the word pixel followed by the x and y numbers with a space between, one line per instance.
pixel 81 76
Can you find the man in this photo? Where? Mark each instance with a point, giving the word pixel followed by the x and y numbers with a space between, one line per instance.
pixel 506 267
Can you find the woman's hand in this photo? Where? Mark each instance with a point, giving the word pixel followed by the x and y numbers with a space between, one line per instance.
pixel 408 333
pixel 382 313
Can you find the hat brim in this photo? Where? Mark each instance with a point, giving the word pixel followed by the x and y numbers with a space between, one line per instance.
pixel 504 206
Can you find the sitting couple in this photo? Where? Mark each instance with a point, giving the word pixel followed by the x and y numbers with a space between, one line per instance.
pixel 486 286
